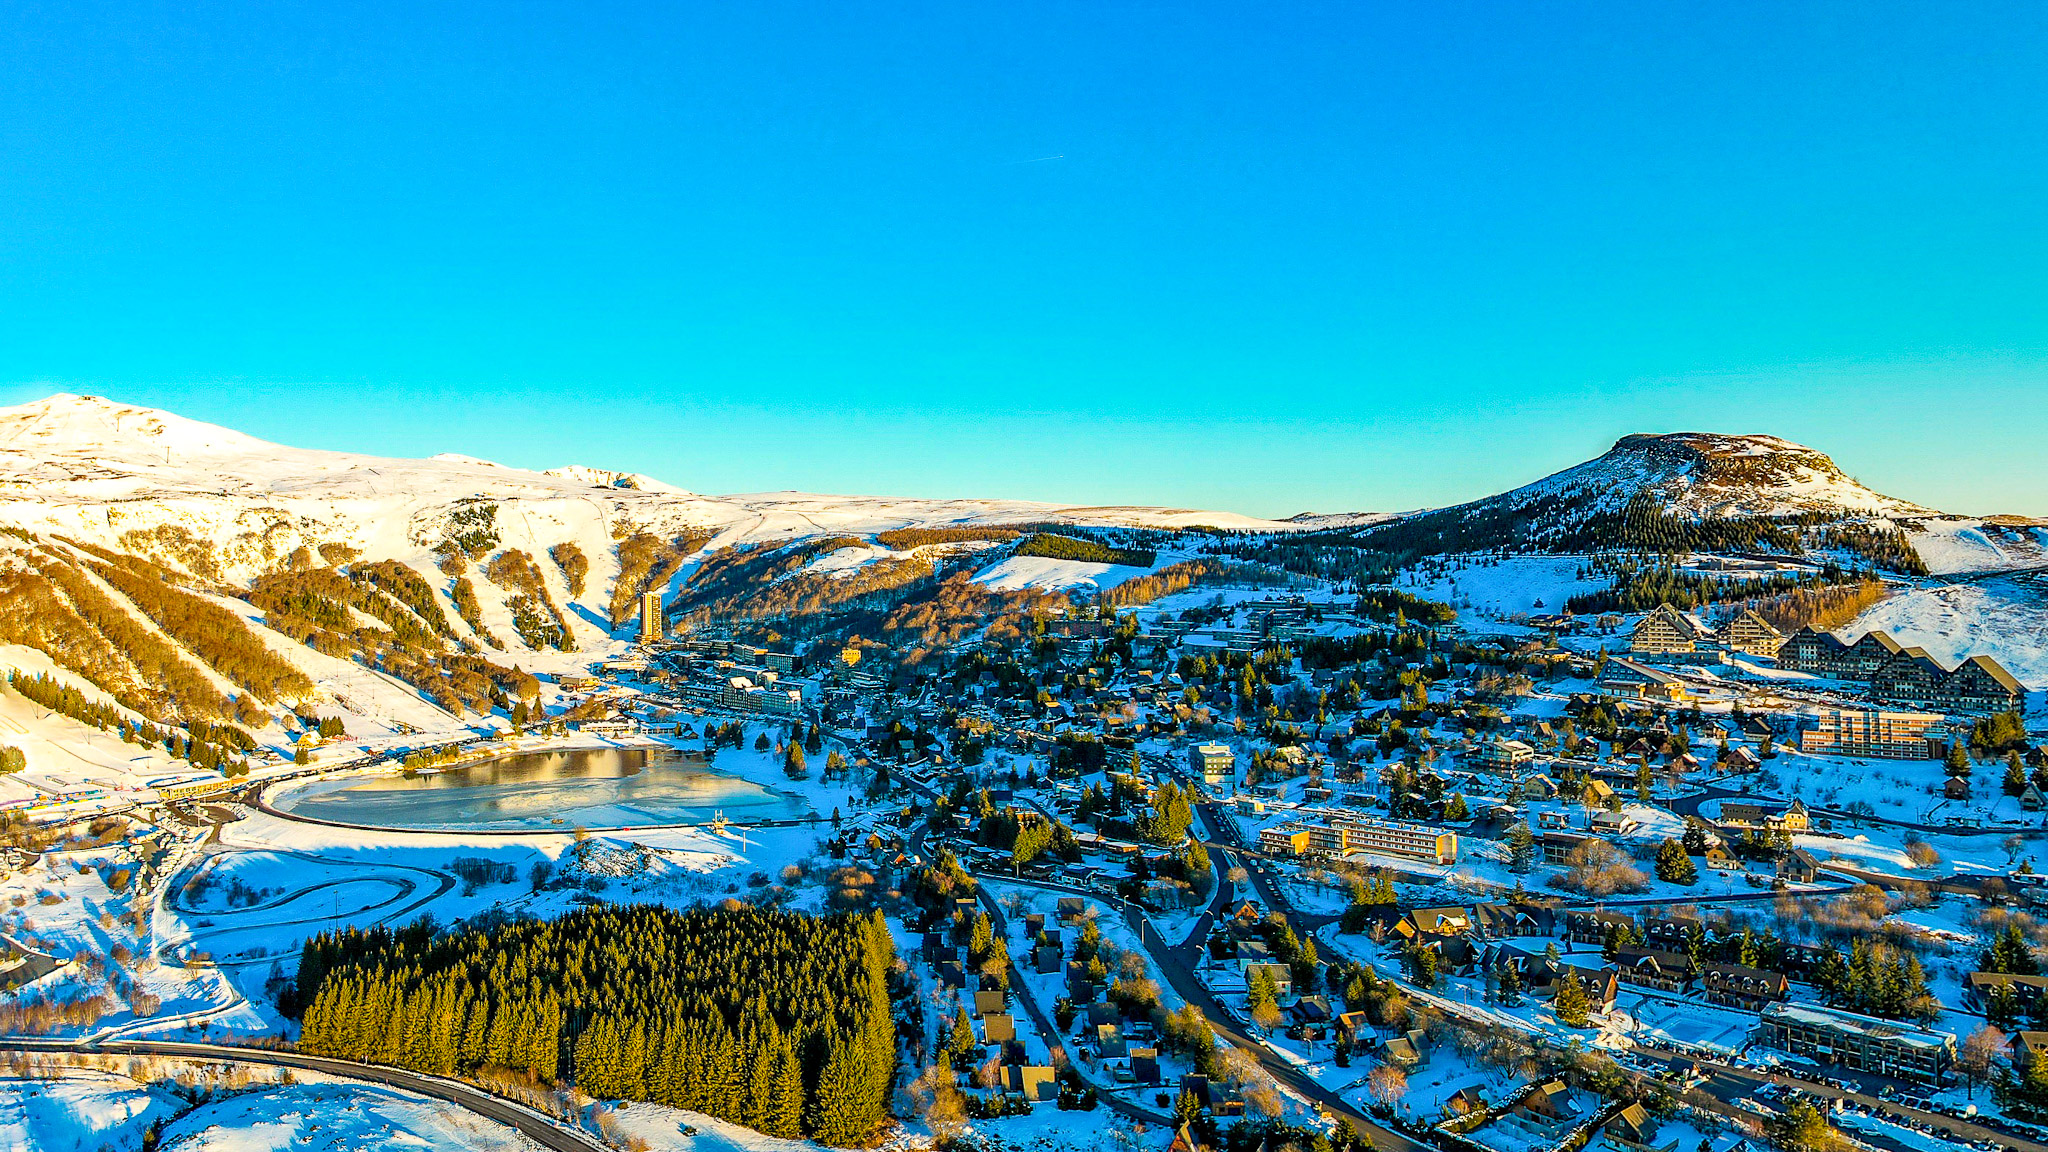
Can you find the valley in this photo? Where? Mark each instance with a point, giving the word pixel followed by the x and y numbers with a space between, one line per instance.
pixel 1697 778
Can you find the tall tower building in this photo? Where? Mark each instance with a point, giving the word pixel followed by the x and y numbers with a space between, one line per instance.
pixel 652 626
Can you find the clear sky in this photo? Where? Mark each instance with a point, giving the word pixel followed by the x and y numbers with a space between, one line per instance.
pixel 1265 257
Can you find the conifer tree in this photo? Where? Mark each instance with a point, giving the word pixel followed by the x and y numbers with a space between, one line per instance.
pixel 1570 1004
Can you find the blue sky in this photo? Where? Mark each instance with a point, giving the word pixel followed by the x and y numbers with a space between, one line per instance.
pixel 1286 256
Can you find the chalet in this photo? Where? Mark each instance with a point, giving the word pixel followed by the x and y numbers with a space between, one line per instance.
pixel 1799 866
pixel 1407 1051
pixel 1751 634
pixel 1909 676
pixel 1546 1112
pixel 1739 760
pixel 2027 991
pixel 1433 923
pixel 1905 676
pixel 1736 986
pixel 1145 1066
pixel 1655 968
pixel 1633 1129
pixel 1533 968
pixel 1593 927
pixel 1671 932
pixel 998 1029
pixel 2027 1047
pixel 1626 678
pixel 1186 1140
pixel 1612 824
pixel 1502 757
pixel 1351 1027
pixel 1824 654
pixel 1720 859
pixel 1310 1012
pixel 1666 631
pixel 1979 684
pixel 1031 1081
pixel 1109 1040
pixel 1760 814
pixel 1601 986
pixel 1283 976
pixel 1496 921
pixel 1465 1101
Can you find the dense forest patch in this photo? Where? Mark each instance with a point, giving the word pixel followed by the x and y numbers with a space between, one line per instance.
pixel 775 1020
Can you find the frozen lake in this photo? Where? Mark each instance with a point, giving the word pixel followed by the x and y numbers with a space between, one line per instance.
pixel 589 787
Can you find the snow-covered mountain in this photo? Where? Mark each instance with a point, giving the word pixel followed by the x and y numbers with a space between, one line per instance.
pixel 1704 474
pixel 1713 492
pixel 396 585
pixel 101 470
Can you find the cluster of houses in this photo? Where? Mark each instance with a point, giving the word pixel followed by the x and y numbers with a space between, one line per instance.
pixel 1513 945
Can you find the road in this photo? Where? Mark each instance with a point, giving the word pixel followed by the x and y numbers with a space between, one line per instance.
pixel 540 1128
pixel 1180 975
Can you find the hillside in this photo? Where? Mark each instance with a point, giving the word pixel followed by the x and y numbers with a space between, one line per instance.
pixel 1707 492
pixel 172 573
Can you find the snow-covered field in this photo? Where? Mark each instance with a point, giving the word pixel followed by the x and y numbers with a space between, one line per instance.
pixel 1045 572
pixel 1500 587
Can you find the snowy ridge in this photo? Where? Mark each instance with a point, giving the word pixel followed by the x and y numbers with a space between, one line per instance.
pixel 66 459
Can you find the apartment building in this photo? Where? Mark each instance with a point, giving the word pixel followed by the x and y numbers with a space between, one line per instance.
pixel 1878 734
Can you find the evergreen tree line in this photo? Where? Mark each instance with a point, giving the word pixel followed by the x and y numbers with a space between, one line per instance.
pixel 1876 981
pixel 1391 604
pixel 212 747
pixel 1086 551
pixel 312 606
pixel 774 1020
pixel 1639 589
pixel 534 616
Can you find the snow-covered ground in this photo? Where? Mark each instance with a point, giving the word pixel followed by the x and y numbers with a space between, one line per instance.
pixel 80 1110
pixel 1961 544
pixel 1045 572
pixel 1497 587
pixel 2005 617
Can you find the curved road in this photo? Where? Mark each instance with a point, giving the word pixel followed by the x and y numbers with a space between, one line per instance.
pixel 545 1131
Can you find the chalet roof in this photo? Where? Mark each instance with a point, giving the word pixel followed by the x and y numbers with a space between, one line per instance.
pixel 1679 620
pixel 1632 668
pixel 1738 975
pixel 1635 1123
pixel 1995 670
pixel 1653 958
